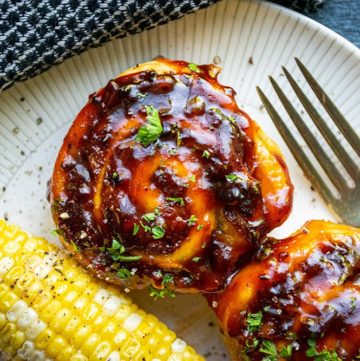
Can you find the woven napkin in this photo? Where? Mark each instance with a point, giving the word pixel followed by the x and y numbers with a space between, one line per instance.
pixel 36 34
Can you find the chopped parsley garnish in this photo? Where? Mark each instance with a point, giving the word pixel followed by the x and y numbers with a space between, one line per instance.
pixel 192 178
pixel 251 346
pixel 196 259
pixel 117 251
pixel 167 278
pixel 232 177
pixel 269 349
pixel 141 95
pixel 323 355
pixel 56 232
pixel 231 119
pixel 158 232
pixel 206 154
pixel 160 292
pixel 194 67
pixel 135 229
pixel 176 200
pixel 222 116
pixel 254 321
pixel 123 273
pixel 192 220
pixel 115 175
pixel 178 138
pixel 286 351
pixel 146 228
pixel 152 130
pixel 172 151
pixel 199 227
pixel 76 247
pixel 149 217
pixel 353 303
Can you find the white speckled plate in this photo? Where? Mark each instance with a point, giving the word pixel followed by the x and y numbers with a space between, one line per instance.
pixel 251 38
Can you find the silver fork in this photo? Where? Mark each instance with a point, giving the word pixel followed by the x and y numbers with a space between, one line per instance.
pixel 346 203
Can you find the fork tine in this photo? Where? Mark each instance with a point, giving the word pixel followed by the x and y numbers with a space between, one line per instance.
pixel 329 136
pixel 340 121
pixel 326 163
pixel 300 156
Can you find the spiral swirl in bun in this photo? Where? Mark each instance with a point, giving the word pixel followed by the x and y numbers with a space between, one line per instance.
pixel 162 180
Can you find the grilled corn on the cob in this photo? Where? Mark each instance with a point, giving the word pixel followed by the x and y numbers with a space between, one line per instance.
pixel 51 309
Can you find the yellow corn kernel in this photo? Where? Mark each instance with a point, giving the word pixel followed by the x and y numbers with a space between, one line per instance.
pixel 65 353
pixel 7 301
pixel 17 339
pixel 90 344
pixel 73 323
pixel 79 357
pixel 60 319
pixel 54 348
pixel 52 309
pixel 101 351
pixel 80 335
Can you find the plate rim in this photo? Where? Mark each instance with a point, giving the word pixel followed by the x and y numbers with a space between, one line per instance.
pixel 294 14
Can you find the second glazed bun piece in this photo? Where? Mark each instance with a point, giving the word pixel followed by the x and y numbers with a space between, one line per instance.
pixel 162 180
pixel 300 301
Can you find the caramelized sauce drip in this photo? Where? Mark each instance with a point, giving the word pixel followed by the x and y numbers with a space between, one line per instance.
pixel 105 181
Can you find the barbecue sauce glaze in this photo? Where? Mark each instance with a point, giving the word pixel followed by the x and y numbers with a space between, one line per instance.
pixel 185 210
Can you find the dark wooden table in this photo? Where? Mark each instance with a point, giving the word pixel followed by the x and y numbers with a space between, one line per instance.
pixel 342 16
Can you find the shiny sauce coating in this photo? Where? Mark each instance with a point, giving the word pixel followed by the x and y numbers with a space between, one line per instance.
pixel 189 205
pixel 299 302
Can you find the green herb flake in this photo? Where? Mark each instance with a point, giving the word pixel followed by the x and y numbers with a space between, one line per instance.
pixel 149 217
pixel 249 346
pixel 192 220
pixel 76 247
pixel 135 229
pixel 152 130
pixel 231 119
pixel 178 138
pixel 192 178
pixel 232 177
pixel 117 251
pixel 199 227
pixel 123 273
pixel 140 95
pixel 323 355
pixel 176 200
pixel 196 259
pixel 158 232
pixel 160 292
pixel 56 232
pixel 172 151
pixel 254 321
pixel 222 116
pixel 269 349
pixel 353 303
pixel 167 278
pixel 286 351
pixel 194 67
pixel 206 154
pixel 145 227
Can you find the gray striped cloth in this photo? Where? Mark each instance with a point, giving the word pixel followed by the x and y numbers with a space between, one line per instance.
pixel 36 34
